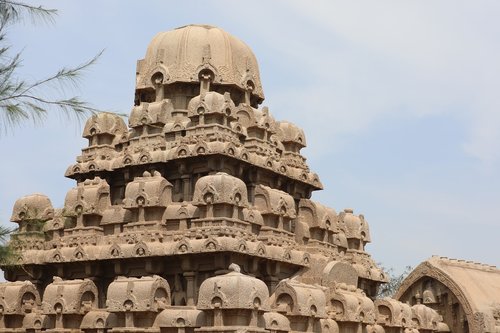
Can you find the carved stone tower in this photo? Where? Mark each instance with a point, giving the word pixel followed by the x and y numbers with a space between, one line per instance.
pixel 200 180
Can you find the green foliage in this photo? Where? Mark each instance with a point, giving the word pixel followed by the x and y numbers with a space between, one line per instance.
pixel 390 288
pixel 22 100
pixel 7 254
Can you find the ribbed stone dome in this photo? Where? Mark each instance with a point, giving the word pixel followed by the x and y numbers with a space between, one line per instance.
pixel 33 207
pixel 186 53
pixel 104 123
pixel 233 291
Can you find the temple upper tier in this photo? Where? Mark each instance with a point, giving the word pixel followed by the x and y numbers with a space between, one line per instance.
pixel 197 93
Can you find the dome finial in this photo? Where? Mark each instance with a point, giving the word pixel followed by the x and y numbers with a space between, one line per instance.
pixel 192 55
pixel 235 268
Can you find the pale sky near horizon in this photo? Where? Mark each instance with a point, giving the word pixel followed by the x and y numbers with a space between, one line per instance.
pixel 399 101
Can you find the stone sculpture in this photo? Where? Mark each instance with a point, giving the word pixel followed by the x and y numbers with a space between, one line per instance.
pixel 196 217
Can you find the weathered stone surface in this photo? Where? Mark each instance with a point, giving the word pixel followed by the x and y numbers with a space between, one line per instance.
pixel 465 294
pixel 197 217
pixel 225 292
pixel 148 293
pixel 188 53
pixel 32 208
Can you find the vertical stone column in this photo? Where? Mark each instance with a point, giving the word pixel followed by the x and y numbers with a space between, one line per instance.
pixel 218 319
pixel 253 318
pixel 158 83
pixel 186 187
pixel 140 214
pixel 310 324
pixel 280 222
pixel 205 79
pixel 129 315
pixel 190 287
pixel 183 225
pixel 79 217
pixel 251 192
pixel 59 316
pixel 210 209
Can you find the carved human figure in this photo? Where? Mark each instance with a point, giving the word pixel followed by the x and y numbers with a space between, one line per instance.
pixel 178 294
pixel 28 302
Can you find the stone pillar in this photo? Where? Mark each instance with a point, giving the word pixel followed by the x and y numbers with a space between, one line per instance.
pixel 158 83
pixel 60 270
pixel 149 267
pixel 210 210
pixel 218 320
pixel 79 218
pixel 129 315
pixel 248 93
pixel 190 287
pixel 59 316
pixel 251 193
pixel 310 324
pixel 235 212
pixel 118 268
pixel 186 187
pixel 280 222
pixel 253 318
pixel 205 83
pixel 129 319
pixel 141 217
pixel 183 224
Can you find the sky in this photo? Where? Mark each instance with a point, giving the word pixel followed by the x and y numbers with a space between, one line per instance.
pixel 399 101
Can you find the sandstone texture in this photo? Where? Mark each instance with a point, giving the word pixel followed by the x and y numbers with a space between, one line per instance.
pixel 197 217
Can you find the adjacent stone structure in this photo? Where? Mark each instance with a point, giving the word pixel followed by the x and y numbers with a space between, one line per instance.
pixel 196 217
pixel 465 293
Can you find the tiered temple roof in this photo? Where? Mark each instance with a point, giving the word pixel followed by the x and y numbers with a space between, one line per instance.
pixel 200 180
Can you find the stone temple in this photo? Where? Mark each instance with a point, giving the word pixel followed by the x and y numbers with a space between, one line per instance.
pixel 197 217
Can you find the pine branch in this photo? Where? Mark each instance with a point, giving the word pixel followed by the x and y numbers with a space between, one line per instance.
pixel 4 233
pixel 13 11
pixel 64 75
pixel 21 100
pixel 7 254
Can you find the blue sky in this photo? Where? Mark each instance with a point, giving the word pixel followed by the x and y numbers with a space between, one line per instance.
pixel 399 101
